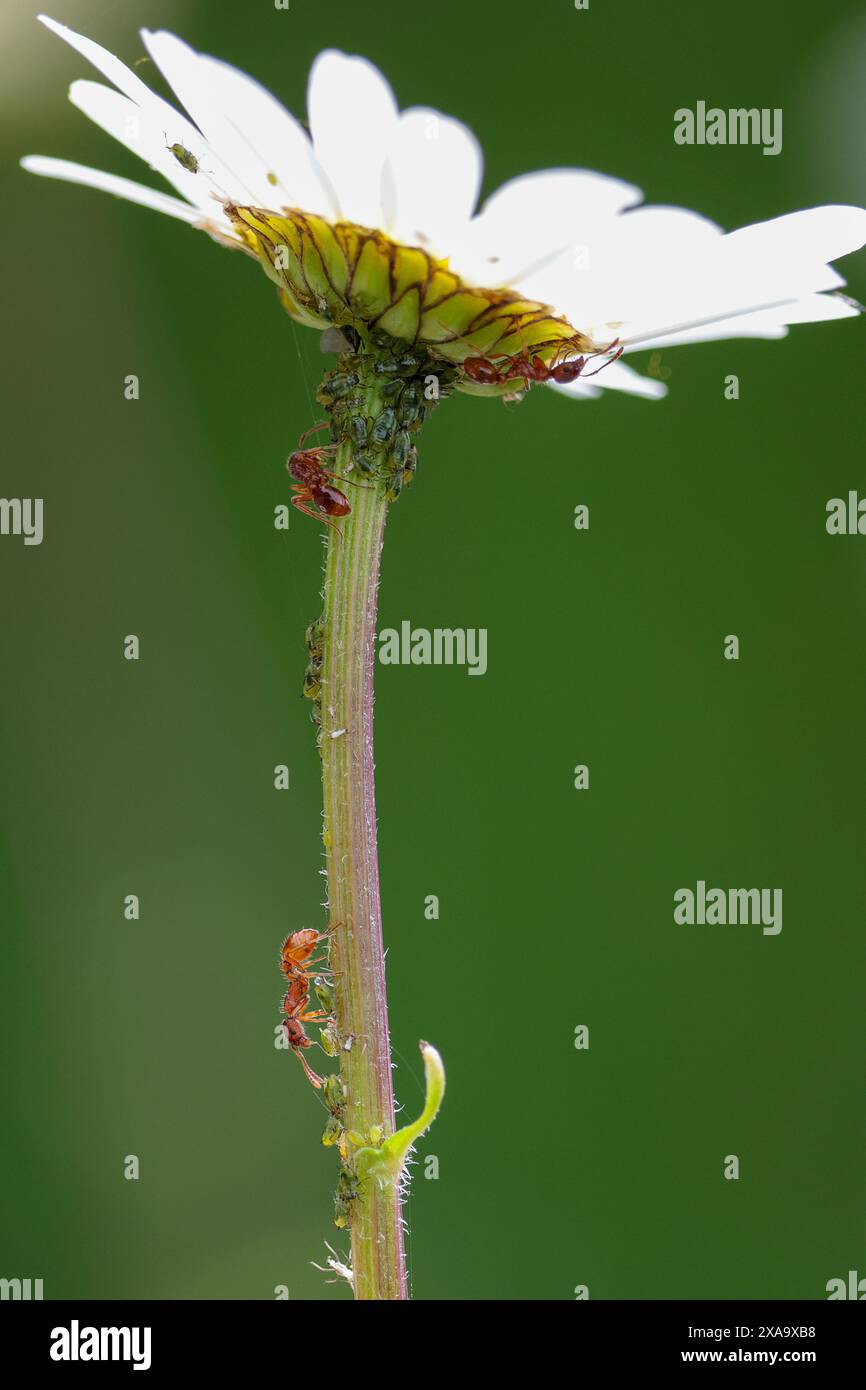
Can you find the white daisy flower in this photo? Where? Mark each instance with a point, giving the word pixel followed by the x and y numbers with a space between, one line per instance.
pixel 370 220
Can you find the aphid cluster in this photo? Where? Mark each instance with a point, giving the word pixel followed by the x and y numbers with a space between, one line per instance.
pixel 409 384
pixel 315 640
pixel 334 1096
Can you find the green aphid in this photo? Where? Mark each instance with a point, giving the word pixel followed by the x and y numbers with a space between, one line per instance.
pixel 377 1134
pixel 347 1184
pixel 401 449
pixel 447 377
pixel 411 408
pixel 359 429
pixel 330 1043
pixel 387 367
pixel 334 1093
pixel 332 1131
pixel 324 995
pixel 391 389
pixel 315 635
pixel 347 1191
pixel 384 427
pixel 365 463
pixel 312 682
pixel 336 386
pixel 395 487
pixel 185 158
pixel 411 466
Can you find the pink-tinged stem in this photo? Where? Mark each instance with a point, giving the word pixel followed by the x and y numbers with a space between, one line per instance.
pixel 357 955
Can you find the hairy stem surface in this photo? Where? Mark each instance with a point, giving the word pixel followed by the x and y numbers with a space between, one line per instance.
pixel 357 957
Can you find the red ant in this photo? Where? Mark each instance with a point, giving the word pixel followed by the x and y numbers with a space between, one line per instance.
pixel 295 1008
pixel 297 950
pixel 534 368
pixel 312 485
pixel 295 962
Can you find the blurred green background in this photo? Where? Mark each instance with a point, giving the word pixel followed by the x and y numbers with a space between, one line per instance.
pixel 155 1038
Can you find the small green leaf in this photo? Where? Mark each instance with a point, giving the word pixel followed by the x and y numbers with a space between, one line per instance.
pixel 384 1164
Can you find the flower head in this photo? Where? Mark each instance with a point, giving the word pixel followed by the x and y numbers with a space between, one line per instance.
pixel 369 221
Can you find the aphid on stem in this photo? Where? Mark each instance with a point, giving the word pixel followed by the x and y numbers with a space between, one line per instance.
pixel 324 994
pixel 347 1191
pixel 332 1131
pixel 334 1094
pixel 315 639
pixel 336 386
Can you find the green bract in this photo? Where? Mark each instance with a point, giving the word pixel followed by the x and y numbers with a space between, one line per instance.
pixel 343 275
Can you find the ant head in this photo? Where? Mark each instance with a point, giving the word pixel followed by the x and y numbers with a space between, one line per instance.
pixel 567 372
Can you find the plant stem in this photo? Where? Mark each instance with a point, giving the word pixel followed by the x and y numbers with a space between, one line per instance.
pixel 357 956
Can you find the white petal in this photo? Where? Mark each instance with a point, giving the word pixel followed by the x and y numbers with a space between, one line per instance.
pixel 110 183
pixel 769 323
pixel 177 127
pixel 770 266
pixel 279 139
pixel 579 390
pixel 352 116
pixel 813 237
pixel 627 266
pixel 431 181
pixel 616 377
pixel 133 127
pixel 190 81
pixel 759 267
pixel 818 308
pixel 660 272
pixel 534 218
pixel 110 67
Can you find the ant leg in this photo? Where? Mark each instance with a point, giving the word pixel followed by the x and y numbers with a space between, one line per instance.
pixel 322 425
pixel 341 479
pixel 619 352
pixel 312 1077
pixel 602 352
pixel 300 504
pixel 299 972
